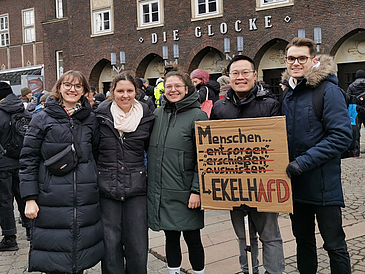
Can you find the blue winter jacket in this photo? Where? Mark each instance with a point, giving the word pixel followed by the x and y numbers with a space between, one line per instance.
pixel 317 145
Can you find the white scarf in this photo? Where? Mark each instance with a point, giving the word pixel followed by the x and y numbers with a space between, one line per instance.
pixel 126 122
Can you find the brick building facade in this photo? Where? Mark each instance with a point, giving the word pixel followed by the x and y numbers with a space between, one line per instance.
pixel 84 34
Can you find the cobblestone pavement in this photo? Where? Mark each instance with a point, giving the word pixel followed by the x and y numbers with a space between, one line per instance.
pixel 353 174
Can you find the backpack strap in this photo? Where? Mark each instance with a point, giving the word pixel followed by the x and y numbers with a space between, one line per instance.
pixel 318 100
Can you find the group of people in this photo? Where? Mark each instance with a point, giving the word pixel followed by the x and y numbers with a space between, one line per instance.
pixel 102 208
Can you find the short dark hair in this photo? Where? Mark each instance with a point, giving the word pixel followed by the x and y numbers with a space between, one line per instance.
pixel 302 42
pixel 239 58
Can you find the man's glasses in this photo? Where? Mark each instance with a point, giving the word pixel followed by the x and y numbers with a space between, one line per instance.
pixel 177 87
pixel 301 59
pixel 68 86
pixel 244 73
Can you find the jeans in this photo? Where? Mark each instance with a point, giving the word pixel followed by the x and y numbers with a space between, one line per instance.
pixel 266 226
pixel 125 235
pixel 195 247
pixel 329 219
pixel 9 188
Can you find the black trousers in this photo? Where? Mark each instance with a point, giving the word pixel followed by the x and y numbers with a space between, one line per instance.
pixel 195 247
pixel 125 235
pixel 9 189
pixel 329 219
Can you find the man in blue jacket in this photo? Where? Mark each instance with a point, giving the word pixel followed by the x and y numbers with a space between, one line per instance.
pixel 315 149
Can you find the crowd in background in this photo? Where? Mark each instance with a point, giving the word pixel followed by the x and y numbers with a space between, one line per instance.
pixel 81 175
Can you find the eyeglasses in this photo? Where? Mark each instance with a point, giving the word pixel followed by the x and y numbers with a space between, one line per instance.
pixel 245 73
pixel 177 87
pixel 301 59
pixel 68 86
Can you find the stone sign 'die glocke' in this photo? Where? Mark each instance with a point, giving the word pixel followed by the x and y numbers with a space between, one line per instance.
pixel 243 161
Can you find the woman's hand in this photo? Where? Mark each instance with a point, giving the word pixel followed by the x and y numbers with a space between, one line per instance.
pixel 194 201
pixel 31 209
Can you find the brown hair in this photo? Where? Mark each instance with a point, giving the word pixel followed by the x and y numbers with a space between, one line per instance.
pixel 302 42
pixel 124 76
pixel 69 76
pixel 184 77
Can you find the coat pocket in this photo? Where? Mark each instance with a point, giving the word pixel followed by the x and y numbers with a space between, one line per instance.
pixel 138 183
pixel 105 182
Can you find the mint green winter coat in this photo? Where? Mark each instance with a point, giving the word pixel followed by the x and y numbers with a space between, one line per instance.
pixel 172 166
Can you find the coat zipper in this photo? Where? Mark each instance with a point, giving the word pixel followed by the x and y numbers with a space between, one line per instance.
pixel 74 224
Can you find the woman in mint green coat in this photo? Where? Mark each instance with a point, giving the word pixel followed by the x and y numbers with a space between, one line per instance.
pixel 173 195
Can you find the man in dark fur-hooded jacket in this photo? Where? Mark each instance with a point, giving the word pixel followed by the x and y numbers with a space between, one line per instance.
pixel 315 149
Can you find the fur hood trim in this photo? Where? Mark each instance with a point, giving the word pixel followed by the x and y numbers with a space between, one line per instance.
pixel 316 74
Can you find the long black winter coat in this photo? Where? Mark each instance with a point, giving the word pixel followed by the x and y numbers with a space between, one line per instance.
pixel 122 172
pixel 67 233
pixel 258 103
pixel 10 105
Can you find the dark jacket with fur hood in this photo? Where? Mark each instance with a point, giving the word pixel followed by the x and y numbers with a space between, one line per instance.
pixel 317 145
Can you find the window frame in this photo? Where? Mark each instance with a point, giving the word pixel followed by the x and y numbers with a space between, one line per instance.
pixel 140 15
pixel 195 10
pixel 59 9
pixel 4 31
pixel 208 13
pixel 59 60
pixel 261 5
pixel 95 23
pixel 28 27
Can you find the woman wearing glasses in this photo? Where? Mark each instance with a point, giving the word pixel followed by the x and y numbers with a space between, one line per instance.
pixel 173 187
pixel 63 200
pixel 125 126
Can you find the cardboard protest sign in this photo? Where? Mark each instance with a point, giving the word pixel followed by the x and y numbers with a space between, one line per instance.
pixel 243 161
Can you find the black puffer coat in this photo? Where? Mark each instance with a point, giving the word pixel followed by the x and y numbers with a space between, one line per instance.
pixel 67 234
pixel 212 86
pixel 258 103
pixel 10 105
pixel 122 172
pixel 357 88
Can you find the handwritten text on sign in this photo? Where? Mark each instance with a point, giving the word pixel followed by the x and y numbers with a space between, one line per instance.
pixel 243 162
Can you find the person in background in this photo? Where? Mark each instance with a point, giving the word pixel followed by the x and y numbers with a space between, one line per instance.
pixel 42 102
pixel 67 235
pixel 90 96
pixel 26 96
pixel 125 126
pixel 315 148
pixel 158 91
pixel 93 89
pixel 224 85
pixel 141 96
pixel 9 173
pixel 173 186
pixel 109 96
pixel 148 89
pixel 98 99
pixel 245 99
pixel 203 85
pixel 355 89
